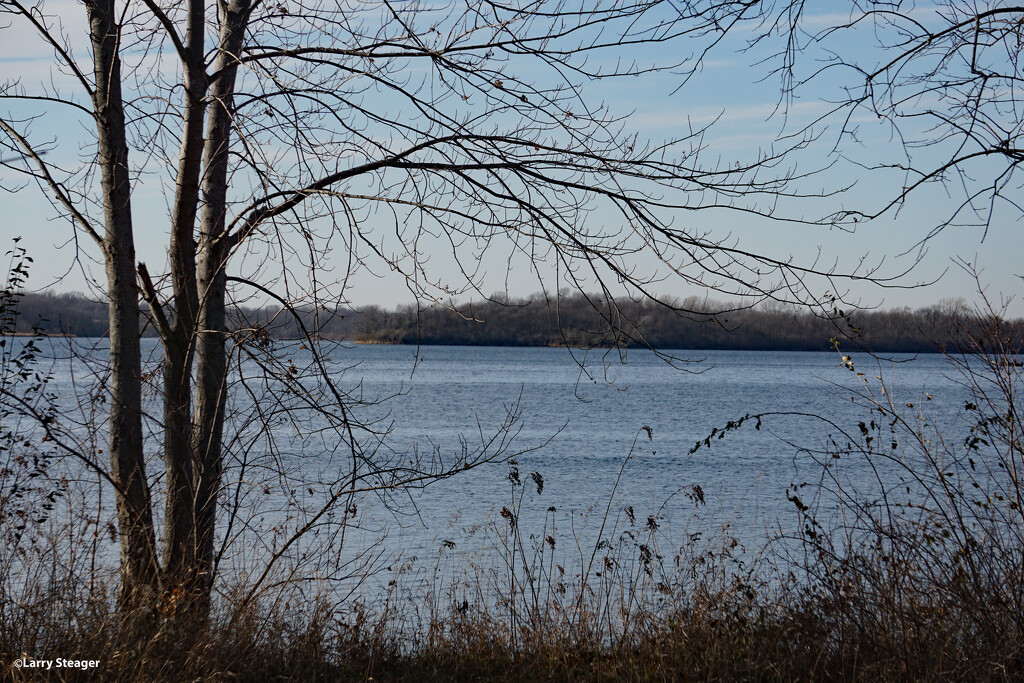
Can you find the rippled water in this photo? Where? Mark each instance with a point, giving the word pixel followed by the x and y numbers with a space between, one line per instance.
pixel 592 421
pixel 584 415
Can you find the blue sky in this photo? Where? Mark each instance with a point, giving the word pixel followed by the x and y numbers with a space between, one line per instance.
pixel 731 89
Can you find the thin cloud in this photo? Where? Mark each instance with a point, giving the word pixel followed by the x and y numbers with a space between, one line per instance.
pixel 704 115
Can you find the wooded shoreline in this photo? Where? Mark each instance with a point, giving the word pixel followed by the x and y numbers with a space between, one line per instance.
pixel 577 320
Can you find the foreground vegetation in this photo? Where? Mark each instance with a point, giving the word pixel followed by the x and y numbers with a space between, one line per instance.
pixel 721 634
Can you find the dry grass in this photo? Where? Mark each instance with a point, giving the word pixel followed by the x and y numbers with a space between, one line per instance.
pixel 851 616
pixel 723 641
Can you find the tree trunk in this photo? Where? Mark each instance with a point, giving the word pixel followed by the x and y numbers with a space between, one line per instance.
pixel 180 542
pixel 139 567
pixel 211 348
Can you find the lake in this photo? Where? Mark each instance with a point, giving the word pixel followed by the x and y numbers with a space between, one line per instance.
pixel 584 418
pixel 590 420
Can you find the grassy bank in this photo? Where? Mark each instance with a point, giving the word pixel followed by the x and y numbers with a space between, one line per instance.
pixel 714 624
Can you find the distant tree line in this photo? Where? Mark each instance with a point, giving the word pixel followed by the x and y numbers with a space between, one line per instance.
pixel 574 320
pixel 577 320
pixel 71 313
pixel 75 314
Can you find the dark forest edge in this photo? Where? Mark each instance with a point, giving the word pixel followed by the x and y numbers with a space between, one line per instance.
pixel 574 320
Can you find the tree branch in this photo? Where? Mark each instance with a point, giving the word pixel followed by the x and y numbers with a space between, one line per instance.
pixel 149 294
pixel 54 43
pixel 58 190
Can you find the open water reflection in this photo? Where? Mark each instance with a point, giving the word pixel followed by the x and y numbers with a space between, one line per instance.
pixel 583 423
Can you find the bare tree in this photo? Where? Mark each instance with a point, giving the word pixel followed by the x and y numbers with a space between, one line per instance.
pixel 285 134
pixel 941 79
